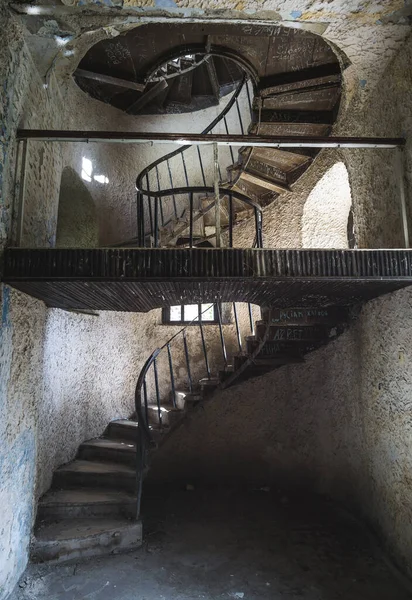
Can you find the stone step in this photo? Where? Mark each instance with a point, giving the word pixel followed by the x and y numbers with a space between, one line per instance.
pixel 86 473
pixel 109 449
pixel 85 502
pixel 122 429
pixel 68 540
pixel 166 415
pixel 182 398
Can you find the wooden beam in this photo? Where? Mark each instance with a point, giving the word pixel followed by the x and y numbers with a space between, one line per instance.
pixel 108 79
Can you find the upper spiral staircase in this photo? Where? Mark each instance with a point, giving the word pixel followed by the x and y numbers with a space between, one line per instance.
pixel 199 239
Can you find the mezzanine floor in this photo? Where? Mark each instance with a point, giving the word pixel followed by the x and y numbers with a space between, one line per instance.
pixel 136 279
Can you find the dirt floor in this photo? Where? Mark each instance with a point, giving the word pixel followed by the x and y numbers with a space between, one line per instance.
pixel 250 545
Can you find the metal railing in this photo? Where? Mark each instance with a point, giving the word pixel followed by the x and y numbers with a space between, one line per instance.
pixel 171 191
pixel 151 370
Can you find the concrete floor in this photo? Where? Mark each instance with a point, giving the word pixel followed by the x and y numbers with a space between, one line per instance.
pixel 213 545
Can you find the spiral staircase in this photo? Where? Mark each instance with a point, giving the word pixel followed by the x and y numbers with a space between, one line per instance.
pixel 199 238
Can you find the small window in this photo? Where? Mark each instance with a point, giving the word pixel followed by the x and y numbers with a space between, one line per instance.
pixel 185 313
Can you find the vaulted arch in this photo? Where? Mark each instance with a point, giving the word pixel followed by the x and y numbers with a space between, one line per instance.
pixel 327 220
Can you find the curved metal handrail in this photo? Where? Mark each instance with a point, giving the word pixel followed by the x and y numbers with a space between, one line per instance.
pixel 141 417
pixel 219 51
pixel 166 157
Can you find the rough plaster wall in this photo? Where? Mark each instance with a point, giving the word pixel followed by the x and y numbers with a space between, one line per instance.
pixel 77 225
pixel 326 211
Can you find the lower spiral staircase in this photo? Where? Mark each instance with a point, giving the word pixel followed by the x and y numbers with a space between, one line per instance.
pixel 92 505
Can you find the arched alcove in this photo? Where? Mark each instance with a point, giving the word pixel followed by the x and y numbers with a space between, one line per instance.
pixel 327 213
pixel 77 218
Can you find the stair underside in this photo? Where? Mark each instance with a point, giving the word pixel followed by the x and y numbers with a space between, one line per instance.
pixel 131 279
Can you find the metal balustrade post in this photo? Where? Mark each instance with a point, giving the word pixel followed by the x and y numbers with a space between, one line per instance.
pixel 156 378
pixel 222 337
pixel 230 220
pixel 156 222
pixel 239 337
pixel 202 335
pixel 146 404
pixel 201 165
pixel 172 377
pixel 217 195
pixel 189 375
pixel 248 99
pixel 139 219
pixel 227 133
pixel 149 203
pixel 185 169
pixel 161 202
pixel 191 220
pixel 171 183
pixel 240 117
pixel 251 321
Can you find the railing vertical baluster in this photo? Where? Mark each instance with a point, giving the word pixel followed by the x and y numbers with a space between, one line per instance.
pixel 172 376
pixel 239 337
pixel 222 337
pixel 258 227
pixel 156 222
pixel 191 220
pixel 140 234
pixel 189 375
pixel 240 117
pixel 251 321
pixel 201 166
pixel 248 98
pixel 171 183
pixel 202 335
pixel 185 169
pixel 227 133
pixel 160 199
pixel 156 378
pixel 149 200
pixel 230 220
pixel 146 410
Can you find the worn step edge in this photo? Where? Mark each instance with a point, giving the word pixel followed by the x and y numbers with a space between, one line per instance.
pixel 114 537
pixel 85 502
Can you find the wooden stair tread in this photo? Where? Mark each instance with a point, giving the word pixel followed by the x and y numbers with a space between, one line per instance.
pixel 312 100
pixel 264 183
pixel 290 129
pixel 282 159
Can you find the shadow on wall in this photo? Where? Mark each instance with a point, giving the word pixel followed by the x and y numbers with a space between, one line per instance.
pixel 77 225
pixel 327 220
